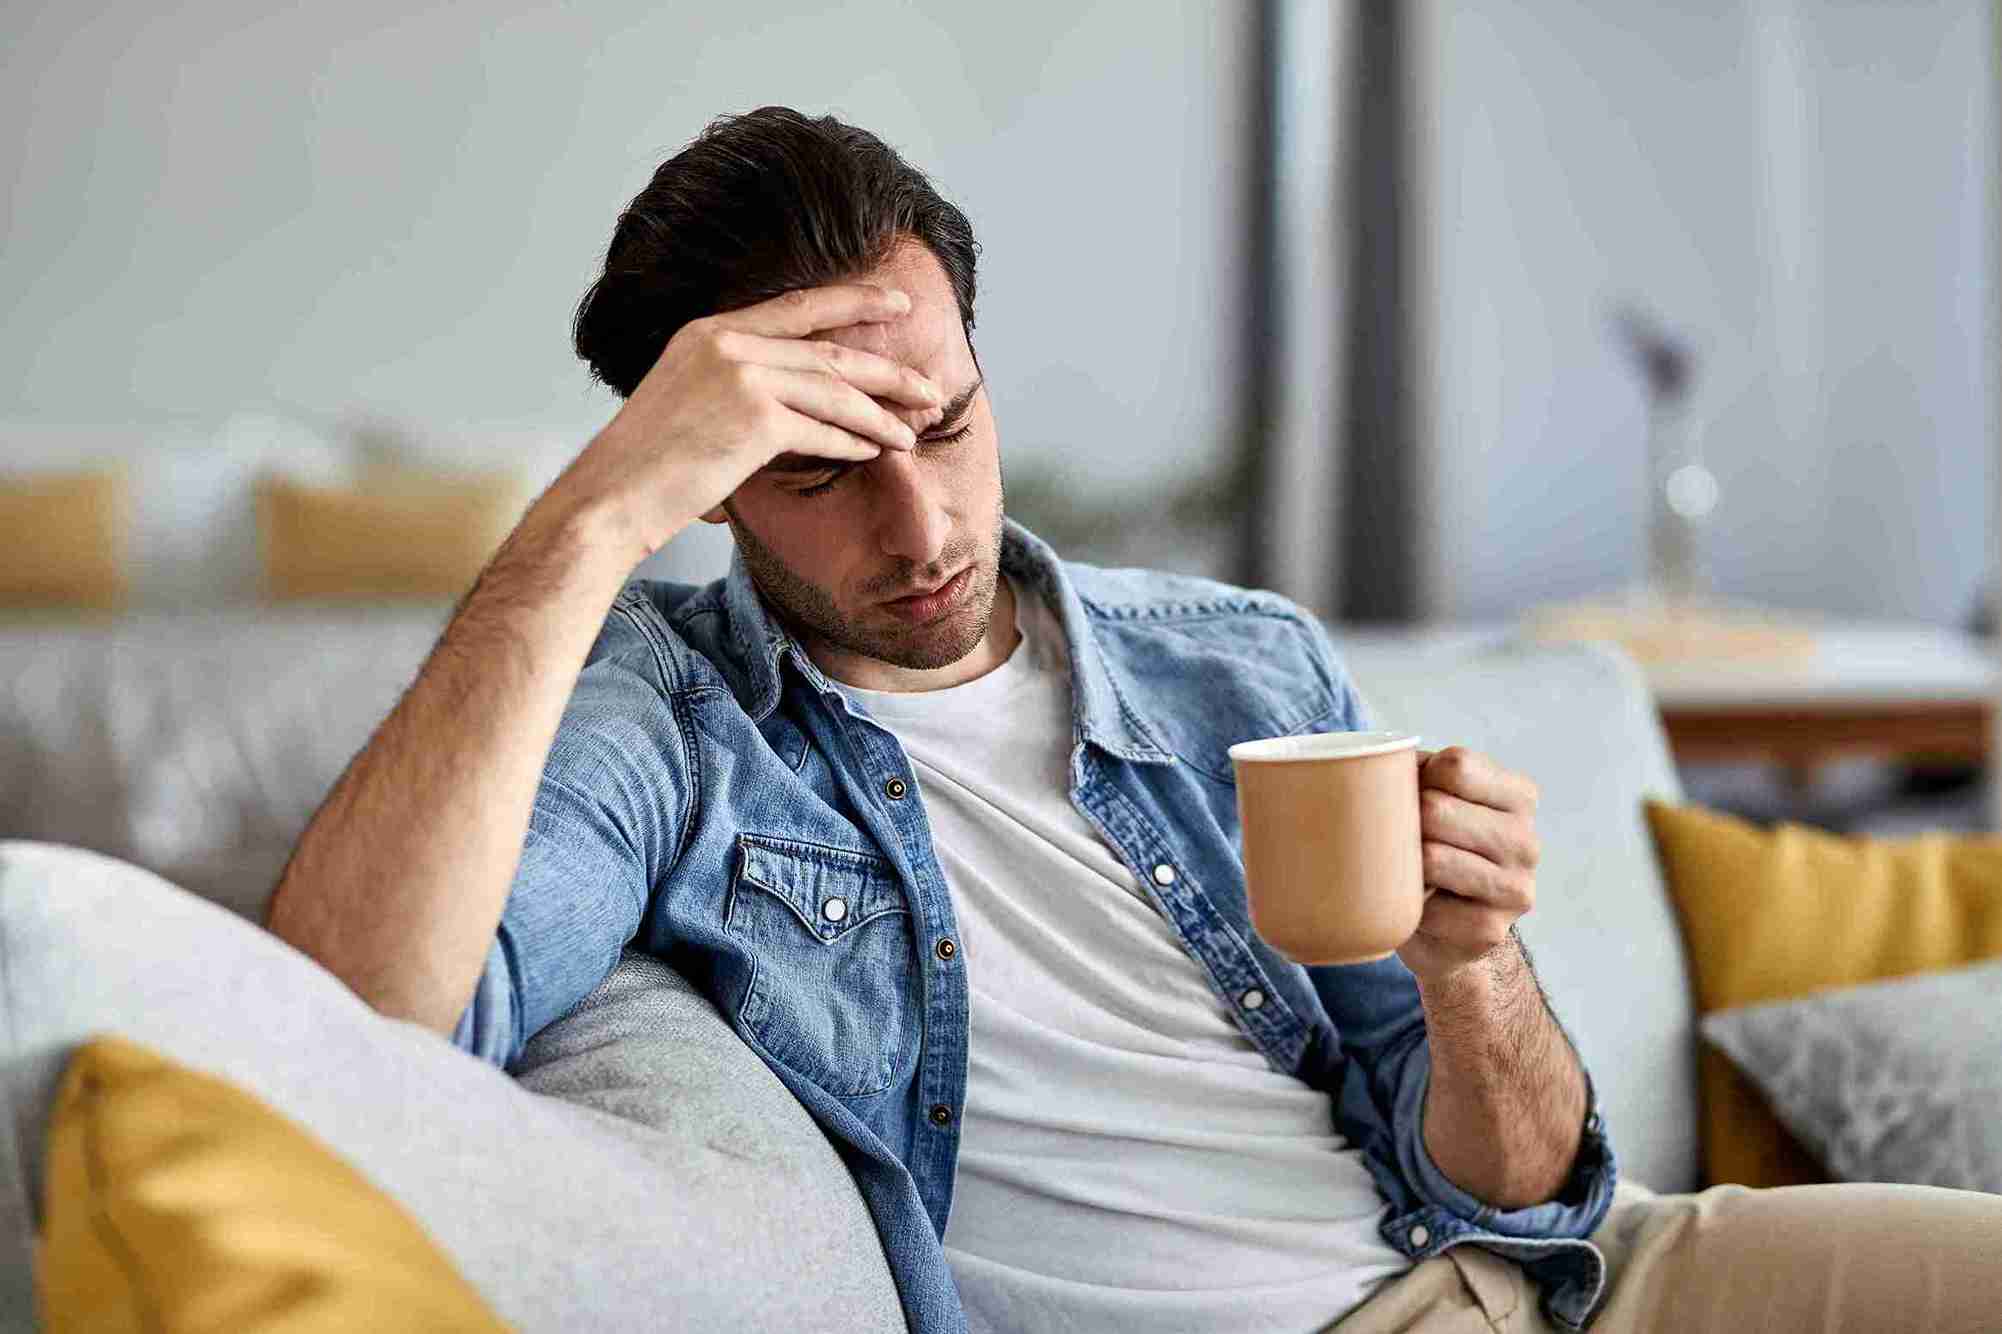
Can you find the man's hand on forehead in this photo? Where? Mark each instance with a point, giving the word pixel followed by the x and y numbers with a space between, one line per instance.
pixel 892 341
pixel 898 340
pixel 733 391
pixel 884 346
pixel 942 419
pixel 867 336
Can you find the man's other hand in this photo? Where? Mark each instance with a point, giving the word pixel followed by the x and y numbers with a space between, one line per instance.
pixel 1477 821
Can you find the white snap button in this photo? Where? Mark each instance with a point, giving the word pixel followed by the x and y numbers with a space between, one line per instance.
pixel 1164 874
pixel 1420 1235
pixel 1252 999
pixel 834 909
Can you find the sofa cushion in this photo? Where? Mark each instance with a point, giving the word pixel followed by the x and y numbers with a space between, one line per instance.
pixel 648 1049
pixel 733 1212
pixel 65 538
pixel 1896 1081
pixel 175 1200
pixel 401 533
pixel 1775 913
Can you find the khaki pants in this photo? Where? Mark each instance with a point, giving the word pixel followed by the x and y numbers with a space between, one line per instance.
pixel 1865 1258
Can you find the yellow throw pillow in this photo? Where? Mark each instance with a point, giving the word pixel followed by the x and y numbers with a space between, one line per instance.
pixel 176 1201
pixel 401 533
pixel 63 539
pixel 1768 915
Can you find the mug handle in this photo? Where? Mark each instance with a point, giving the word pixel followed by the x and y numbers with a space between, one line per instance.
pixel 1424 755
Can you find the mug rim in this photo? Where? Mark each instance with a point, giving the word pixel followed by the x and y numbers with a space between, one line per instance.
pixel 1312 746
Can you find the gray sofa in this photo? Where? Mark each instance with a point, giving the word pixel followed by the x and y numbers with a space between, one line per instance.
pixel 641 1166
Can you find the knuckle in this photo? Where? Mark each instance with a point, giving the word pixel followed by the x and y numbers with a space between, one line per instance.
pixel 792 298
pixel 767 415
pixel 1433 804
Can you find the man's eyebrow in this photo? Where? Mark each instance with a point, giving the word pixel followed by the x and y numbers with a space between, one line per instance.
pixel 955 408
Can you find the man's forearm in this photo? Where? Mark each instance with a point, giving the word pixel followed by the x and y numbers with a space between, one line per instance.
pixel 1506 1108
pixel 398 883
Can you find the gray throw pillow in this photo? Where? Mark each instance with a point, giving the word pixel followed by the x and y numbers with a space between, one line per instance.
pixel 1895 1081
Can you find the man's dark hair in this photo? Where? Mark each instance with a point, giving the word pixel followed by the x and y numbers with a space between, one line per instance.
pixel 758 204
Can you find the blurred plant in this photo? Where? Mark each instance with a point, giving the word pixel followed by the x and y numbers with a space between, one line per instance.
pixel 1166 522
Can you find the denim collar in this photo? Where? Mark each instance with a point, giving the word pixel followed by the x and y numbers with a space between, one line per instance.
pixel 1099 709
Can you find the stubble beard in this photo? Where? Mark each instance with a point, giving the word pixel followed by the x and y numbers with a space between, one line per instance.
pixel 805 606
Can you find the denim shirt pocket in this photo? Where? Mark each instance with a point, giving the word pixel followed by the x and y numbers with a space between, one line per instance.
pixel 834 989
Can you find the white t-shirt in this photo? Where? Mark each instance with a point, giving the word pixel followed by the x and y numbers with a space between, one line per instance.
pixel 1128 1158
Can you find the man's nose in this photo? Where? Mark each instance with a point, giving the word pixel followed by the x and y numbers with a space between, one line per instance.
pixel 912 521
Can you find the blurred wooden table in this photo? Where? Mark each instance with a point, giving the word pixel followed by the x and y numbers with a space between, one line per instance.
pixel 1913 693
pixel 1905 692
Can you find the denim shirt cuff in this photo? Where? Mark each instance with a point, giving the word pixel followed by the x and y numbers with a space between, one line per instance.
pixel 1576 1210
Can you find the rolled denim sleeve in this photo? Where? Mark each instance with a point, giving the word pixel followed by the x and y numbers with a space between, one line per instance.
pixel 1576 1210
pixel 609 819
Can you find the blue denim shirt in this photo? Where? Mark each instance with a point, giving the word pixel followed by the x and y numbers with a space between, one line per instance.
pixel 710 794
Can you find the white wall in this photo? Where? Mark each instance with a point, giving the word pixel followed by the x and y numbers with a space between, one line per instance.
pixel 1804 188
pixel 392 209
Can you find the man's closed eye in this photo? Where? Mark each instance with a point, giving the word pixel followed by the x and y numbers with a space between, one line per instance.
pixel 840 470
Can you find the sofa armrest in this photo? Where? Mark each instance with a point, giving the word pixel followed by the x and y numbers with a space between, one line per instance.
pixel 607 1221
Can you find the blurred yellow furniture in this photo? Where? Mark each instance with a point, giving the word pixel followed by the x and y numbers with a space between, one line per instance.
pixel 63 537
pixel 1773 914
pixel 398 534
pixel 177 1201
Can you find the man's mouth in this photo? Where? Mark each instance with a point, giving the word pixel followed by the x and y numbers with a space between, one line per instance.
pixel 924 592
pixel 926 603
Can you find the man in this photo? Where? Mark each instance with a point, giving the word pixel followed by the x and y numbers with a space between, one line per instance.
pixel 945 826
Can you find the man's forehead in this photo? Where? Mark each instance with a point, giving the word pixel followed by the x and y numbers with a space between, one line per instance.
pixel 926 337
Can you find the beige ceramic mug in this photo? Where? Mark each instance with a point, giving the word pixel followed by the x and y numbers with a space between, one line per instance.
pixel 1332 860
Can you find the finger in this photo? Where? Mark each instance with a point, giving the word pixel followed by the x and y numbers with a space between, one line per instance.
pixel 1504 837
pixel 1472 775
pixel 872 373
pixel 814 449
pixel 805 310
pixel 1470 927
pixel 1468 876
pixel 828 398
